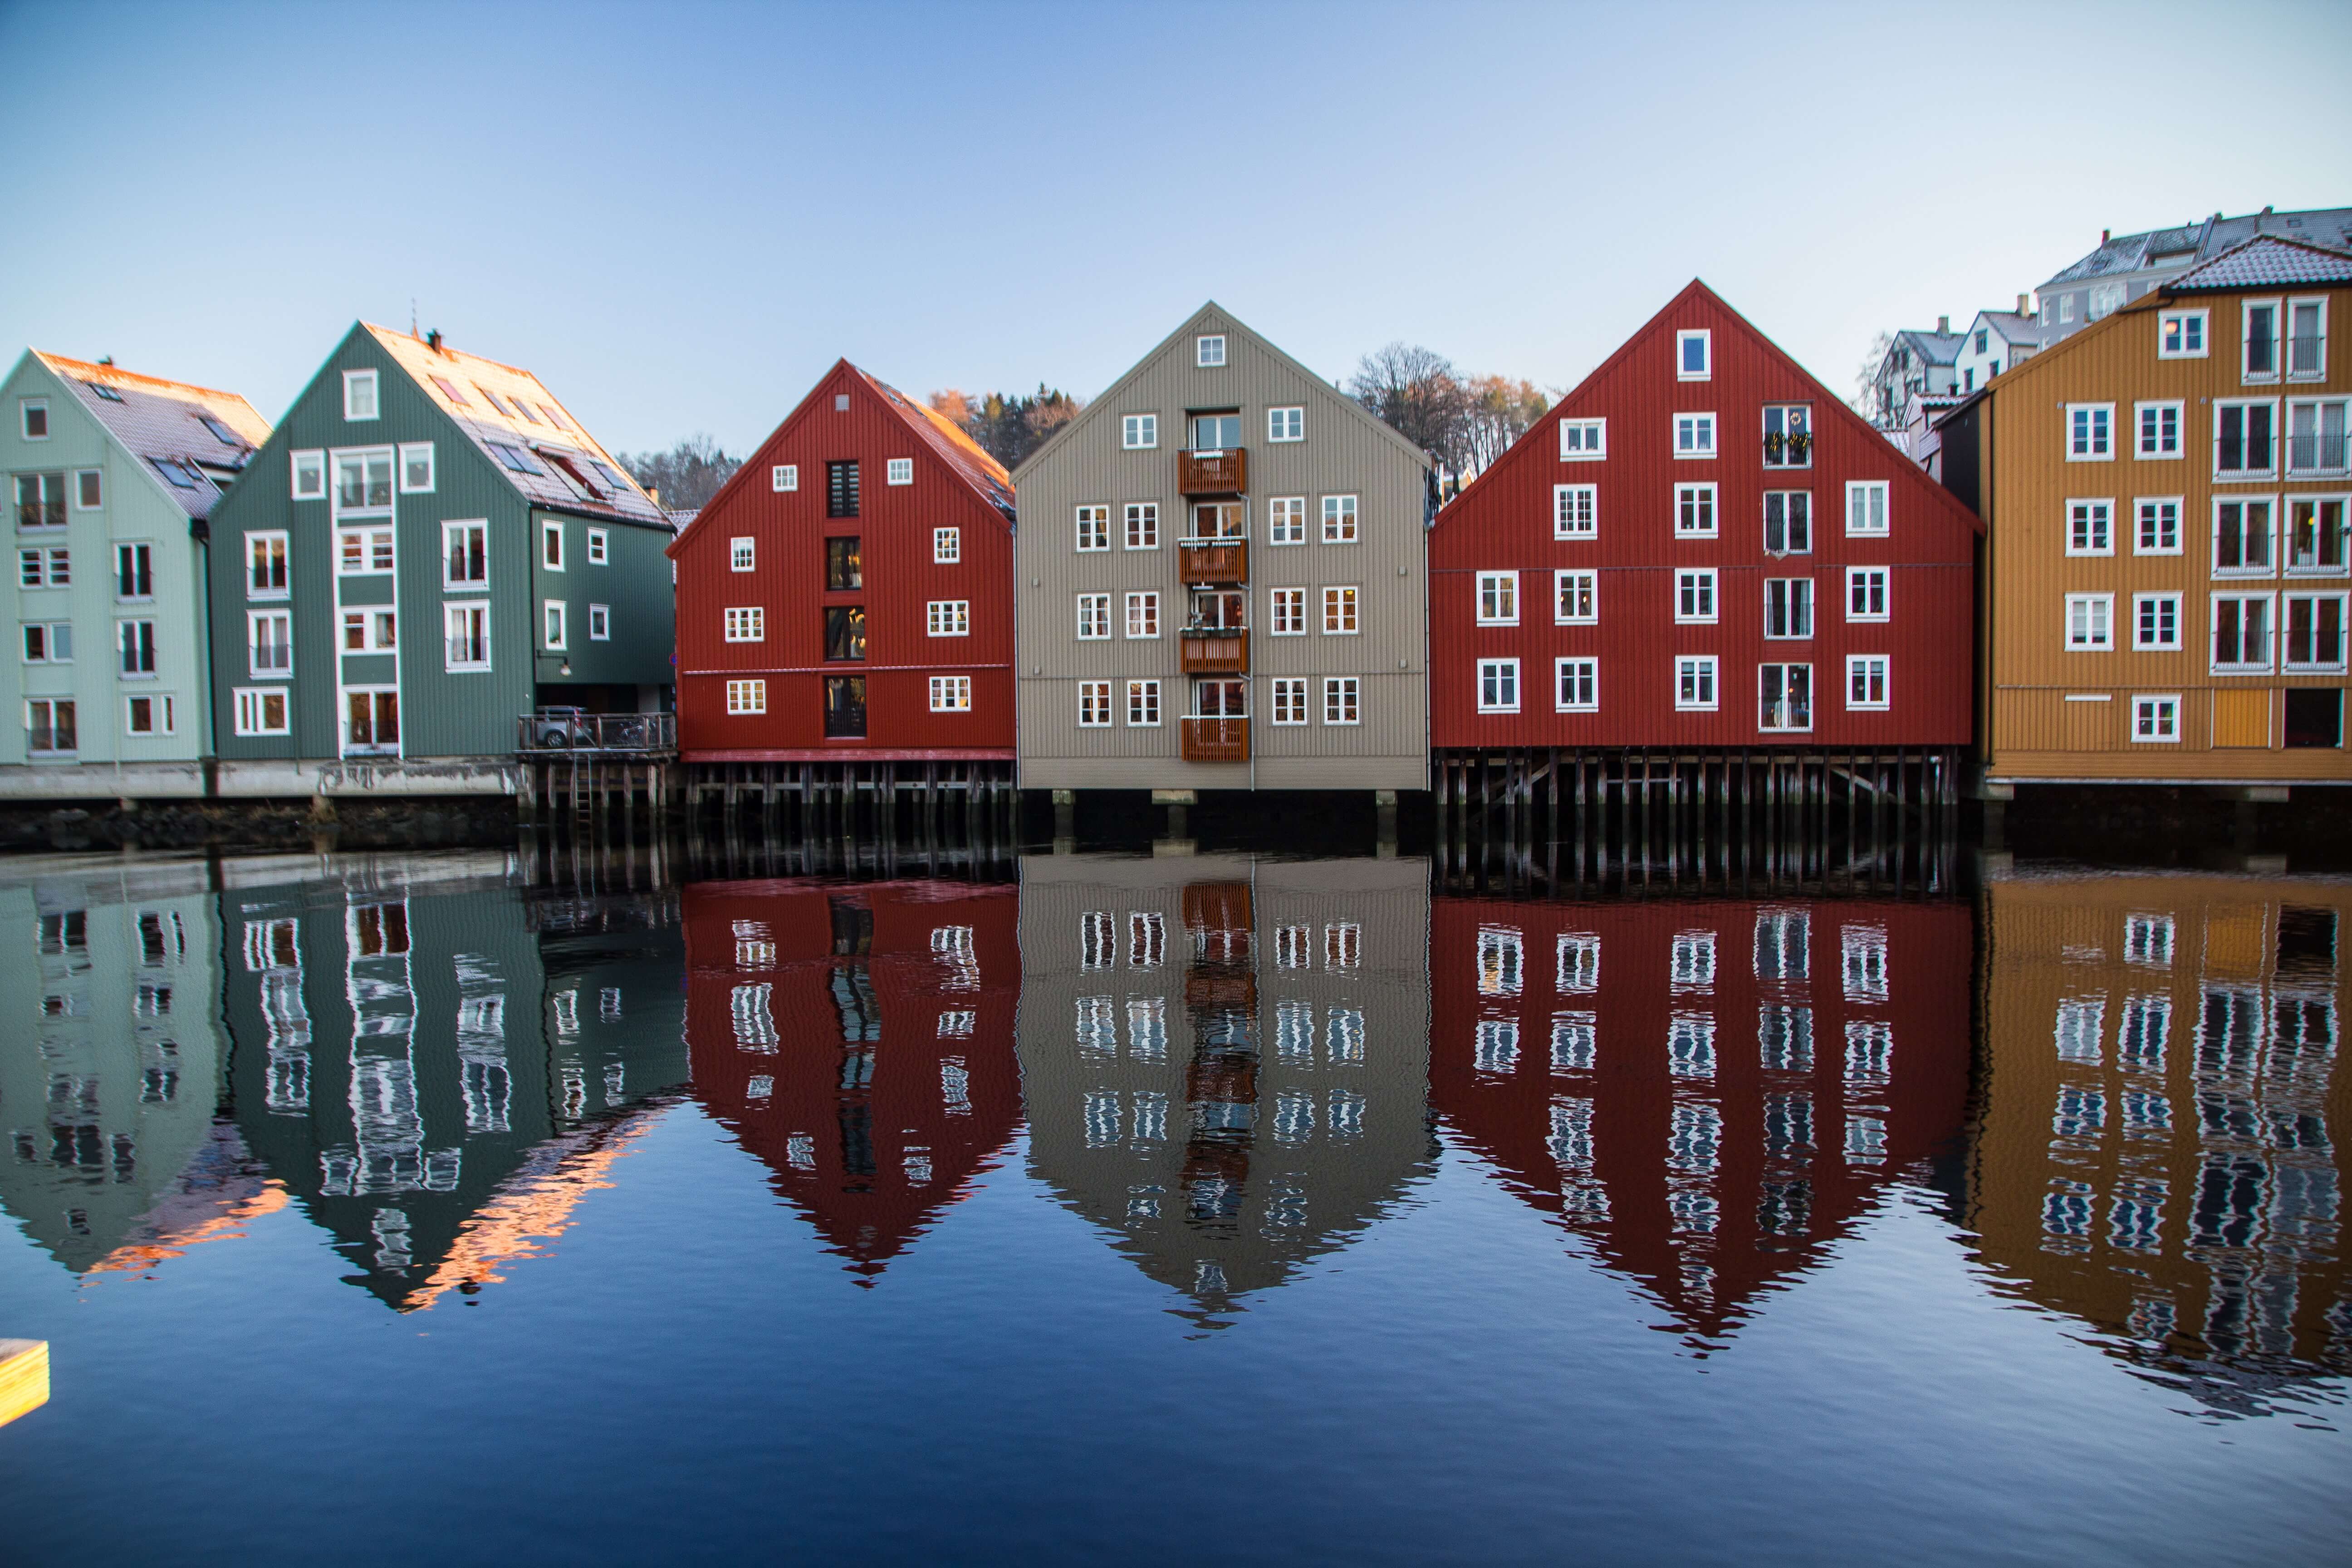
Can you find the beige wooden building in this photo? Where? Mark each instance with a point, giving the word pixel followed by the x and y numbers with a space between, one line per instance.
pixel 2166 499
pixel 1222 581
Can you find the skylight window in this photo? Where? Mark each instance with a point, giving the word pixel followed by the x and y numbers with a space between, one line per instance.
pixel 449 390
pixel 515 458
pixel 104 391
pixel 221 432
pixel 492 397
pixel 524 409
pixel 181 476
pixel 611 478
pixel 554 417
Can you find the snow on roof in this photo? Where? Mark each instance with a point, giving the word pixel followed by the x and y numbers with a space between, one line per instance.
pixel 2267 263
pixel 195 439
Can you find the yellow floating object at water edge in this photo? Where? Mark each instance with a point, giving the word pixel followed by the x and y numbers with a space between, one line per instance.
pixel 24 1377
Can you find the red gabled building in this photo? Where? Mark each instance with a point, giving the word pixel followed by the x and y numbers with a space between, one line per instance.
pixel 1701 548
pixel 847 595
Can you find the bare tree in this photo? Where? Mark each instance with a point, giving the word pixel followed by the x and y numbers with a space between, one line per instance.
pixel 1866 400
pixel 1008 428
pixel 686 476
pixel 1497 412
pixel 1415 392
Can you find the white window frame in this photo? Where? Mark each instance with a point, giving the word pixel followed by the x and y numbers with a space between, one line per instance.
pixel 2141 641
pixel 1813 702
pixel 2270 470
pixel 2148 447
pixel 1861 664
pixel 87 483
pixel 1692 499
pixel 947 546
pixel 2165 321
pixel 2163 706
pixel 1343 695
pixel 1876 582
pixel 950 693
pixel 1342 610
pixel 1698 685
pixel 1286 424
pixel 600 623
pixel 2270 633
pixel 411 455
pixel 2095 613
pixel 1143 610
pixel 948 618
pixel 2147 508
pixel 2270 504
pixel 1566 585
pixel 1694 435
pixel 1859 494
pixel 1286 612
pixel 549 529
pixel 1289 701
pixel 1342 519
pixel 306 475
pixel 2342 636
pixel 157 701
pixel 1093 617
pixel 283 540
pixel 599 547
pixel 1139 520
pixel 1586 675
pixel 1095 698
pixel 1583 440
pixel 746 697
pixel 898 471
pixel 1209 350
pixel 2287 464
pixel 2246 309
pixel 1138 431
pixel 1498 598
pixel 1786 511
pixel 1286 520
pixel 2098 432
pixel 452 612
pixel 1092 520
pixel 742 553
pixel 784 477
pixel 2286 534
pixel 253 644
pixel 1498 686
pixel 1144 696
pixel 26 408
pixel 2286 338
pixel 744 623
pixel 1801 594
pixel 2090 525
pixel 1700 581
pixel 556 624
pixel 357 383
pixel 48 630
pixel 125 639
pixel 1704 339
pixel 252 707
pixel 1575 511
pixel 377 626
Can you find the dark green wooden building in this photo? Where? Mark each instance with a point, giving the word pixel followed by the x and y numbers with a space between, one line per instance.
pixel 429 547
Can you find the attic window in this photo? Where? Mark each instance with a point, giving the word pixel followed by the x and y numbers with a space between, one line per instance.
pixel 524 409
pixel 104 391
pixel 221 432
pixel 178 473
pixel 1209 350
pixel 449 390
pixel 568 469
pixel 515 458
pixel 554 417
pixel 613 481
pixel 492 397
pixel 841 403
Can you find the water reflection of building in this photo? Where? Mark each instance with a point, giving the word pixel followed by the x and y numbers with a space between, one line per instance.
pixel 2157 1155
pixel 109 1068
pixel 407 1065
pixel 856 1037
pixel 1708 1092
pixel 1225 1060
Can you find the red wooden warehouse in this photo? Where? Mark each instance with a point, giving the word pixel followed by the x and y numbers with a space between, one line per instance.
pixel 1701 550
pixel 847 595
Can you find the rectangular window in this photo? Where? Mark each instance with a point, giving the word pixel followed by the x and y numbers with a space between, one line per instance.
pixel 1290 700
pixel 845 638
pixel 90 489
pixel 742 555
pixel 1498 598
pixel 1340 612
pixel 1143 525
pixel 552 634
pixel 1094 704
pixel 1286 520
pixel 1788 522
pixel 947 546
pixel 1498 686
pixel 2089 622
pixel 32 569
pixel 1695 511
pixel 1865 682
pixel 784 477
pixel 2306 339
pixel 2159 429
pixel 466 633
pixel 600 548
pixel 359 394
pixel 950 693
pixel 40 501
pixel 844 563
pixel 2180 334
pixel 1866 509
pixel 2310 633
pixel 1143 703
pixel 2156 719
pixel 1785 697
pixel 747 697
pixel 1209 352
pixel 1695 596
pixel 366 631
pixel 1094 528
pixel 1286 425
pixel 2241 538
pixel 2241 633
pixel 841 488
pixel 844 707
pixel 1693 359
pixel 949 617
pixel 600 623
pixel 1342 697
pixel 1289 612
pixel 1577 685
pixel 2090 432
pixel 269 643
pixel 1575 598
pixel 309 479
pixel 264 565
pixel 2315 534
pixel 1583 440
pixel 135 642
pixel 50 729
pixel 2156 531
pixel 1339 519
pixel 416 467
pixel 262 710
pixel 1787 434
pixel 2090 528
pixel 2315 436
pixel 1694 435
pixel 1575 510
pixel 2156 622
pixel 551 545
pixel 1094 616
pixel 48 642
pixel 1143 614
pixel 2244 440
pixel 1788 607
pixel 1865 593
pixel 1139 431
pixel 134 571
pixel 2261 355
pixel 898 471
pixel 747 623
pixel 1695 683
pixel 34 414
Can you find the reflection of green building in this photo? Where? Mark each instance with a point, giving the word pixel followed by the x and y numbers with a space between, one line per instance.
pixel 407 1065
pixel 110 1058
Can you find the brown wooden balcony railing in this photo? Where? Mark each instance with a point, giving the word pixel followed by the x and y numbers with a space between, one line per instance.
pixel 1216 739
pixel 1212 560
pixel 1215 651
pixel 1222 472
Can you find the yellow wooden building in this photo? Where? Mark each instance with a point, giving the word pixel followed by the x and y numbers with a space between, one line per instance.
pixel 2164 576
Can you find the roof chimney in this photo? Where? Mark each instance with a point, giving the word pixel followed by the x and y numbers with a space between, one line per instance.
pixel 433 340
pixel 1944 326
pixel 2104 234
pixel 2021 305
pixel 106 360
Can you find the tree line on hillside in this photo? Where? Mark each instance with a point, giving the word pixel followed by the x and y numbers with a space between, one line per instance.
pixel 685 478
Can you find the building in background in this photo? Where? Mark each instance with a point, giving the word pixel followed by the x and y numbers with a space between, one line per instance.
pixel 428 549
pixel 2129 267
pixel 1996 340
pixel 112 480
pixel 847 595
pixel 1220 575
pixel 1915 363
pixel 2166 571
pixel 1701 547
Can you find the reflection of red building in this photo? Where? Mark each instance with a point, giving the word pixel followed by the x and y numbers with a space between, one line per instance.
pixel 858 1039
pixel 1709 1093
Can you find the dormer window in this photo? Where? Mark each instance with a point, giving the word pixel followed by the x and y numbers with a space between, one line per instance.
pixel 359 394
pixel 1209 352
pixel 1693 355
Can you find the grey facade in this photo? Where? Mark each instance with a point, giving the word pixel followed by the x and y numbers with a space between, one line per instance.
pixel 1226 1062
pixel 2127 266
pixel 1915 363
pixel 1302 724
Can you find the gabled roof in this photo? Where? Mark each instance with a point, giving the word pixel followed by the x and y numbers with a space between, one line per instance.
pixel 2011 327
pixel 520 427
pixel 2202 241
pixel 162 424
pixel 1935 348
pixel 2267 262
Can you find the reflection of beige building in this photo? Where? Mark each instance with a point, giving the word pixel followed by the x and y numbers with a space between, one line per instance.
pixel 2158 1151
pixel 1226 1060
pixel 110 1055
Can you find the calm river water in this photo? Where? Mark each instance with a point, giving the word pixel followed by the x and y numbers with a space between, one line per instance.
pixel 385 1210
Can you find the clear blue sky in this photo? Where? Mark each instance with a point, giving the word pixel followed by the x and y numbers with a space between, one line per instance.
pixel 679 215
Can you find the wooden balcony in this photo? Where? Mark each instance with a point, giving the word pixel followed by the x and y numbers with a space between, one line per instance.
pixel 1215 652
pixel 1212 560
pixel 1216 739
pixel 1212 473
